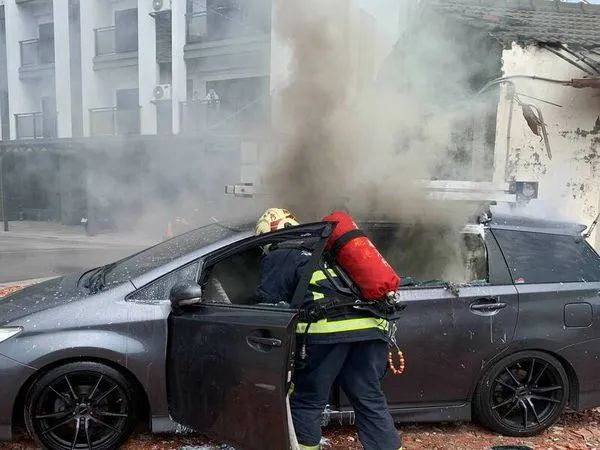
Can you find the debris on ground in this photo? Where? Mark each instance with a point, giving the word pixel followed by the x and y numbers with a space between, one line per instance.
pixel 574 431
pixel 9 290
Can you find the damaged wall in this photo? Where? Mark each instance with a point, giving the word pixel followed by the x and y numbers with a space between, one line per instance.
pixel 570 182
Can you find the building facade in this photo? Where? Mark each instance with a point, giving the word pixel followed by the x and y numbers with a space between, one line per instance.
pixel 79 68
pixel 539 62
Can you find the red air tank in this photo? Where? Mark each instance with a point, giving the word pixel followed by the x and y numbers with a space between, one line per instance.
pixel 359 258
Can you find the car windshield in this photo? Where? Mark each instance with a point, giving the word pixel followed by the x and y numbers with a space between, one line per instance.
pixel 165 252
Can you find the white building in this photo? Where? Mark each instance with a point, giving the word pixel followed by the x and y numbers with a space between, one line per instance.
pixel 521 40
pixel 112 67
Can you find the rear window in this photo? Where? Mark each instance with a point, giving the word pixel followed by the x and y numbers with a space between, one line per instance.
pixel 548 258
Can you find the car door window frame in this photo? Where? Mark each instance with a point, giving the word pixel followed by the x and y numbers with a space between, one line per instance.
pixel 497 269
pixel 258 241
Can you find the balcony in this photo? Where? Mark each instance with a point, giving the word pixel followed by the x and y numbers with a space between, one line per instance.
pixel 110 52
pixel 37 59
pixel 229 21
pixel 35 125
pixel 196 27
pixel 228 38
pixel 113 121
pixel 199 116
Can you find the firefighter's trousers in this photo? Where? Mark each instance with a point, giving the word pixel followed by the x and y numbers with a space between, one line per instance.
pixel 359 368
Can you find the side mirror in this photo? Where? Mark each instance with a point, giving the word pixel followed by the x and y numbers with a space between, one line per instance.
pixel 184 294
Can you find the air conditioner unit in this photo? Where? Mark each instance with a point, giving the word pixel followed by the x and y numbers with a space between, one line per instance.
pixel 161 5
pixel 162 92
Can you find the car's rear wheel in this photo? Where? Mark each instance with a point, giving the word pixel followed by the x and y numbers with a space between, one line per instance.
pixel 81 405
pixel 522 394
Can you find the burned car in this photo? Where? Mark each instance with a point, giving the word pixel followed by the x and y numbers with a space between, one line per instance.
pixel 86 357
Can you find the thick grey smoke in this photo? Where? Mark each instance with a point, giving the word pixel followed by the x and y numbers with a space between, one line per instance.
pixel 365 150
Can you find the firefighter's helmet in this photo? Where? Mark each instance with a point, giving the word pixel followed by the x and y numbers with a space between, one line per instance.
pixel 275 219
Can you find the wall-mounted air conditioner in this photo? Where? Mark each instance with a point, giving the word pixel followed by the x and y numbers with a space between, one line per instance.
pixel 162 92
pixel 161 5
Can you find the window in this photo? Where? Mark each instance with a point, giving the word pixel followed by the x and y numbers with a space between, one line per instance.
pixel 548 258
pixel 426 253
pixel 46 43
pixel 234 279
pixel 126 30
pixel 160 289
pixel 234 275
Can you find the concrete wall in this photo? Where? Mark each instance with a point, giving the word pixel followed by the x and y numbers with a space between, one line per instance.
pixel 147 66
pixel 570 182
pixel 178 65
pixel 62 56
pixel 93 14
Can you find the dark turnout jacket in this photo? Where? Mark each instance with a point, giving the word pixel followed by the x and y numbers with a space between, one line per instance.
pixel 281 270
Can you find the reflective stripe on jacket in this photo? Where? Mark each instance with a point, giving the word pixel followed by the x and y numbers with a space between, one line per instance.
pixel 353 321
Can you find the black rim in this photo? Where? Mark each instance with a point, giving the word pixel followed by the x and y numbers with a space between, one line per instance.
pixel 80 410
pixel 526 394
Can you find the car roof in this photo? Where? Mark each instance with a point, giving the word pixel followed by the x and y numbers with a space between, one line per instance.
pixel 536 225
pixel 499 221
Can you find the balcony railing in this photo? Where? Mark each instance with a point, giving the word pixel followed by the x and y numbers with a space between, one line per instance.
pixel 199 116
pixel 113 121
pixel 224 23
pixel 35 125
pixel 35 52
pixel 107 42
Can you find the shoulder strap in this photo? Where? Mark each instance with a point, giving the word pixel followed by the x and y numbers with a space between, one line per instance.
pixel 332 292
pixel 298 298
pixel 343 240
pixel 306 244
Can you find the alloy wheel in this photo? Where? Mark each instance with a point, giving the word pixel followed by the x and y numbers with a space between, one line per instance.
pixel 81 409
pixel 527 393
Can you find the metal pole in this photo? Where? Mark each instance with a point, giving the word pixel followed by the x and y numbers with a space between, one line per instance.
pixel 2 194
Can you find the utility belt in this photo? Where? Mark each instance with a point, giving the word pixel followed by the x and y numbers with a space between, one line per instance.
pixel 336 304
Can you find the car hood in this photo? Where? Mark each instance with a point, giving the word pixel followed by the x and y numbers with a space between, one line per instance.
pixel 39 297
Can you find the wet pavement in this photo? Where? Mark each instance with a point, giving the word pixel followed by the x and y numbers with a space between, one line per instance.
pixel 38 249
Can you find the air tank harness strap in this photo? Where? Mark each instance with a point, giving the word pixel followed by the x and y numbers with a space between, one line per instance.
pixel 334 304
pixel 339 243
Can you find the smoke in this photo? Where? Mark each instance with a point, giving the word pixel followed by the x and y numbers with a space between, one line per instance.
pixel 366 149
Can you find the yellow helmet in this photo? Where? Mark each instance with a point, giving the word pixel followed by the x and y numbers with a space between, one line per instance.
pixel 275 219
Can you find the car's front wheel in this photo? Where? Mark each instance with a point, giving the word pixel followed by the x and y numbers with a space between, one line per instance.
pixel 523 394
pixel 81 405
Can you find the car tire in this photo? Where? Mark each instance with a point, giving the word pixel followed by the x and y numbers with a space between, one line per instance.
pixel 87 404
pixel 522 394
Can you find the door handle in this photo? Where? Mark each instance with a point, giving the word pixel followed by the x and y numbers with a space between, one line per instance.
pixel 488 306
pixel 265 341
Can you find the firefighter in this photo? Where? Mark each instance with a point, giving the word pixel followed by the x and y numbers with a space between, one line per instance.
pixel 350 348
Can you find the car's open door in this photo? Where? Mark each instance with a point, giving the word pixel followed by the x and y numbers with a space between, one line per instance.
pixel 229 370
pixel 229 367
